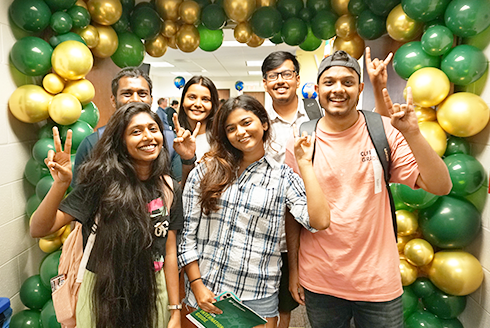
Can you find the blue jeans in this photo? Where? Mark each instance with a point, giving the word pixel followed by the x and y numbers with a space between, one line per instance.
pixel 325 311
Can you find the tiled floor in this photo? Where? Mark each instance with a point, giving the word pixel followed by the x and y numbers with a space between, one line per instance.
pixel 299 318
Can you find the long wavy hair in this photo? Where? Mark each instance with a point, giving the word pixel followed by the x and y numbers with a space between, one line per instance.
pixel 125 291
pixel 223 159
pixel 205 81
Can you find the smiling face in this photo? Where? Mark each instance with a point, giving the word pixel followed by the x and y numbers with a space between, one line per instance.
pixel 282 90
pixel 197 103
pixel 132 89
pixel 143 139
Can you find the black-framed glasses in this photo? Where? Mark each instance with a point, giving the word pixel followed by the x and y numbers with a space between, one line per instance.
pixel 286 75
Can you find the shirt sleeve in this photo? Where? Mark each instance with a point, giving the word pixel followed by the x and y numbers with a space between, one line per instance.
pixel 75 204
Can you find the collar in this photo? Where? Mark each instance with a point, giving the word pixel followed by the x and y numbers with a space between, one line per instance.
pixel 300 112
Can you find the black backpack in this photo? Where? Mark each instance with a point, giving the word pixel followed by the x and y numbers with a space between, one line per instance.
pixel 377 133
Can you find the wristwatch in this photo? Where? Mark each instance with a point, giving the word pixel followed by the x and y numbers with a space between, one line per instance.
pixel 174 307
pixel 189 161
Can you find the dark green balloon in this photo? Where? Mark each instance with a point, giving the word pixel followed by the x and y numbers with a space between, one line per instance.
pixel 145 23
pixel 467 17
pixel 457 145
pixel 356 7
pixel 127 6
pixel 437 40
pixel 266 21
pixel 219 2
pixel 294 31
pixel 90 114
pixel 311 43
pixel 424 10
pixel 33 171
pixel 70 36
pixel 32 204
pixel 451 323
pixel 61 22
pixel 122 25
pixel 43 186
pixel 57 5
pixel 80 129
pixel 323 25
pixel 203 3
pixel 479 198
pixel 277 38
pixel 33 293
pixel 411 57
pixel 41 148
pixel 381 8
pixel 289 8
pixel 26 319
pixel 443 305
pixel 450 223
pixel 210 40
pixel 370 26
pixel 466 172
pixel 80 16
pixel 49 267
pixel 32 56
pixel 399 204
pixel 418 198
pixel 48 316
pixel 30 15
pixel 434 22
pixel 420 319
pixel 409 301
pixel 213 16
pixel 464 64
pixel 318 5
pixel 130 51
pixel 423 287
pixel 306 14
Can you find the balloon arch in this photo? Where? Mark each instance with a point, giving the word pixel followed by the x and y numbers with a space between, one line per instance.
pixel 60 38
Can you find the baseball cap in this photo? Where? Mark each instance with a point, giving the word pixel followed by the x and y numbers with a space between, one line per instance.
pixel 338 58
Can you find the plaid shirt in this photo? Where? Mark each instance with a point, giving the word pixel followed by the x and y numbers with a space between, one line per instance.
pixel 238 246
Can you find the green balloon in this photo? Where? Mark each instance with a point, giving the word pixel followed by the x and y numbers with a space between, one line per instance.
pixel 90 114
pixel 48 316
pixel 423 287
pixel 61 22
pixel 476 87
pixel 318 5
pixel 40 149
pixel 43 186
pixel 467 17
pixel 266 21
pixel 210 39
pixel 80 16
pixel 434 22
pixel 34 171
pixel 203 3
pixel 414 198
pixel 311 42
pixel 33 293
pixel 277 38
pixel 130 51
pixel 57 5
pixel 381 8
pixel 49 267
pixel 437 40
pixel 409 301
pixel 481 40
pixel 466 172
pixel 370 26
pixel 306 14
pixel 70 36
pixel 289 8
pixel 32 56
pixel 443 305
pixel 421 319
pixel 323 25
pixel 451 323
pixel 213 17
pixel 479 197
pixel 127 6
pixel 145 23
pixel 464 64
pixel 122 25
pixel 30 15
pixel 80 130
pixel 399 204
pixel 411 57
pixel 32 204
pixel 457 145
pixel 26 319
pixel 356 7
pixel 450 223
pixel 424 10
pixel 294 31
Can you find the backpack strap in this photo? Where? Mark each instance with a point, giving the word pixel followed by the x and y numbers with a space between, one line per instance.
pixel 312 109
pixel 377 133
pixel 86 252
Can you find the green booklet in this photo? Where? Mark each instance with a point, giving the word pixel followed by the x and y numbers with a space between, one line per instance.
pixel 235 315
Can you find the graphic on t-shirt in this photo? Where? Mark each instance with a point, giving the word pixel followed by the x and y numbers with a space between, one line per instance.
pixel 369 155
pixel 159 213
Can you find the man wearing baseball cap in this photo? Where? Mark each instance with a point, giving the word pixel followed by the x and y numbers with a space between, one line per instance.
pixel 351 270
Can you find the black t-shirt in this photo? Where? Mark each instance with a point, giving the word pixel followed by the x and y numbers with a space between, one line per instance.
pixel 76 205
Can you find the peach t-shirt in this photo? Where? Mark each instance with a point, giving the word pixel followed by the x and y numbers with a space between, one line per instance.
pixel 356 258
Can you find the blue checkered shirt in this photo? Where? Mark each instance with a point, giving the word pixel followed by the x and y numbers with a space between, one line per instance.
pixel 237 247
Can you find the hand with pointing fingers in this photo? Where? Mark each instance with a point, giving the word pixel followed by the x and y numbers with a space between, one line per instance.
pixel 376 69
pixel 403 116
pixel 185 142
pixel 59 161
pixel 303 146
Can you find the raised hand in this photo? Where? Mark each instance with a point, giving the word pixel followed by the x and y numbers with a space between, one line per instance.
pixel 303 146
pixel 376 69
pixel 59 162
pixel 403 117
pixel 185 142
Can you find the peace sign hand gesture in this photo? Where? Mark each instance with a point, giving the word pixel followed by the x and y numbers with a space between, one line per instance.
pixel 59 162
pixel 185 142
pixel 403 117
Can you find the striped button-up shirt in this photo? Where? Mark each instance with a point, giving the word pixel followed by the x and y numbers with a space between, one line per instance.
pixel 237 247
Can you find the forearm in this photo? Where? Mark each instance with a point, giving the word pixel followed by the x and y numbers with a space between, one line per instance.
pixel 318 208
pixel 171 269
pixel 379 103
pixel 186 169
pixel 293 230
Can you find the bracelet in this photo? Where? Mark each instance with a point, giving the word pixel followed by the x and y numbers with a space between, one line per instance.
pixel 189 161
pixel 195 280
pixel 174 307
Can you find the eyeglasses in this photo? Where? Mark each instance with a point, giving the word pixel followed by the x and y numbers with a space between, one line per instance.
pixel 286 75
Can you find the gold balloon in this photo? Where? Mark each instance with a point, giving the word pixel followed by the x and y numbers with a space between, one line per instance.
pixel 187 38
pixel 81 3
pixel 82 89
pixel 172 43
pixel 425 114
pixel 456 272
pixel 156 47
pixel 55 234
pixel 65 109
pixel 402 28
pixel 402 241
pixel 105 12
pixel 169 28
pixel 243 32
pixel 429 86
pixel 108 42
pixel 407 222
pixel 168 9
pixel 72 60
pixel 66 233
pixel 463 114
pixel 53 83
pixel 340 7
pixel 419 252
pixel 435 136
pixel 408 272
pixel 354 46
pixel 49 246
pixel 29 103
pixel 239 10
pixel 265 3
pixel 89 34
pixel 345 26
pixel 255 41
pixel 189 12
